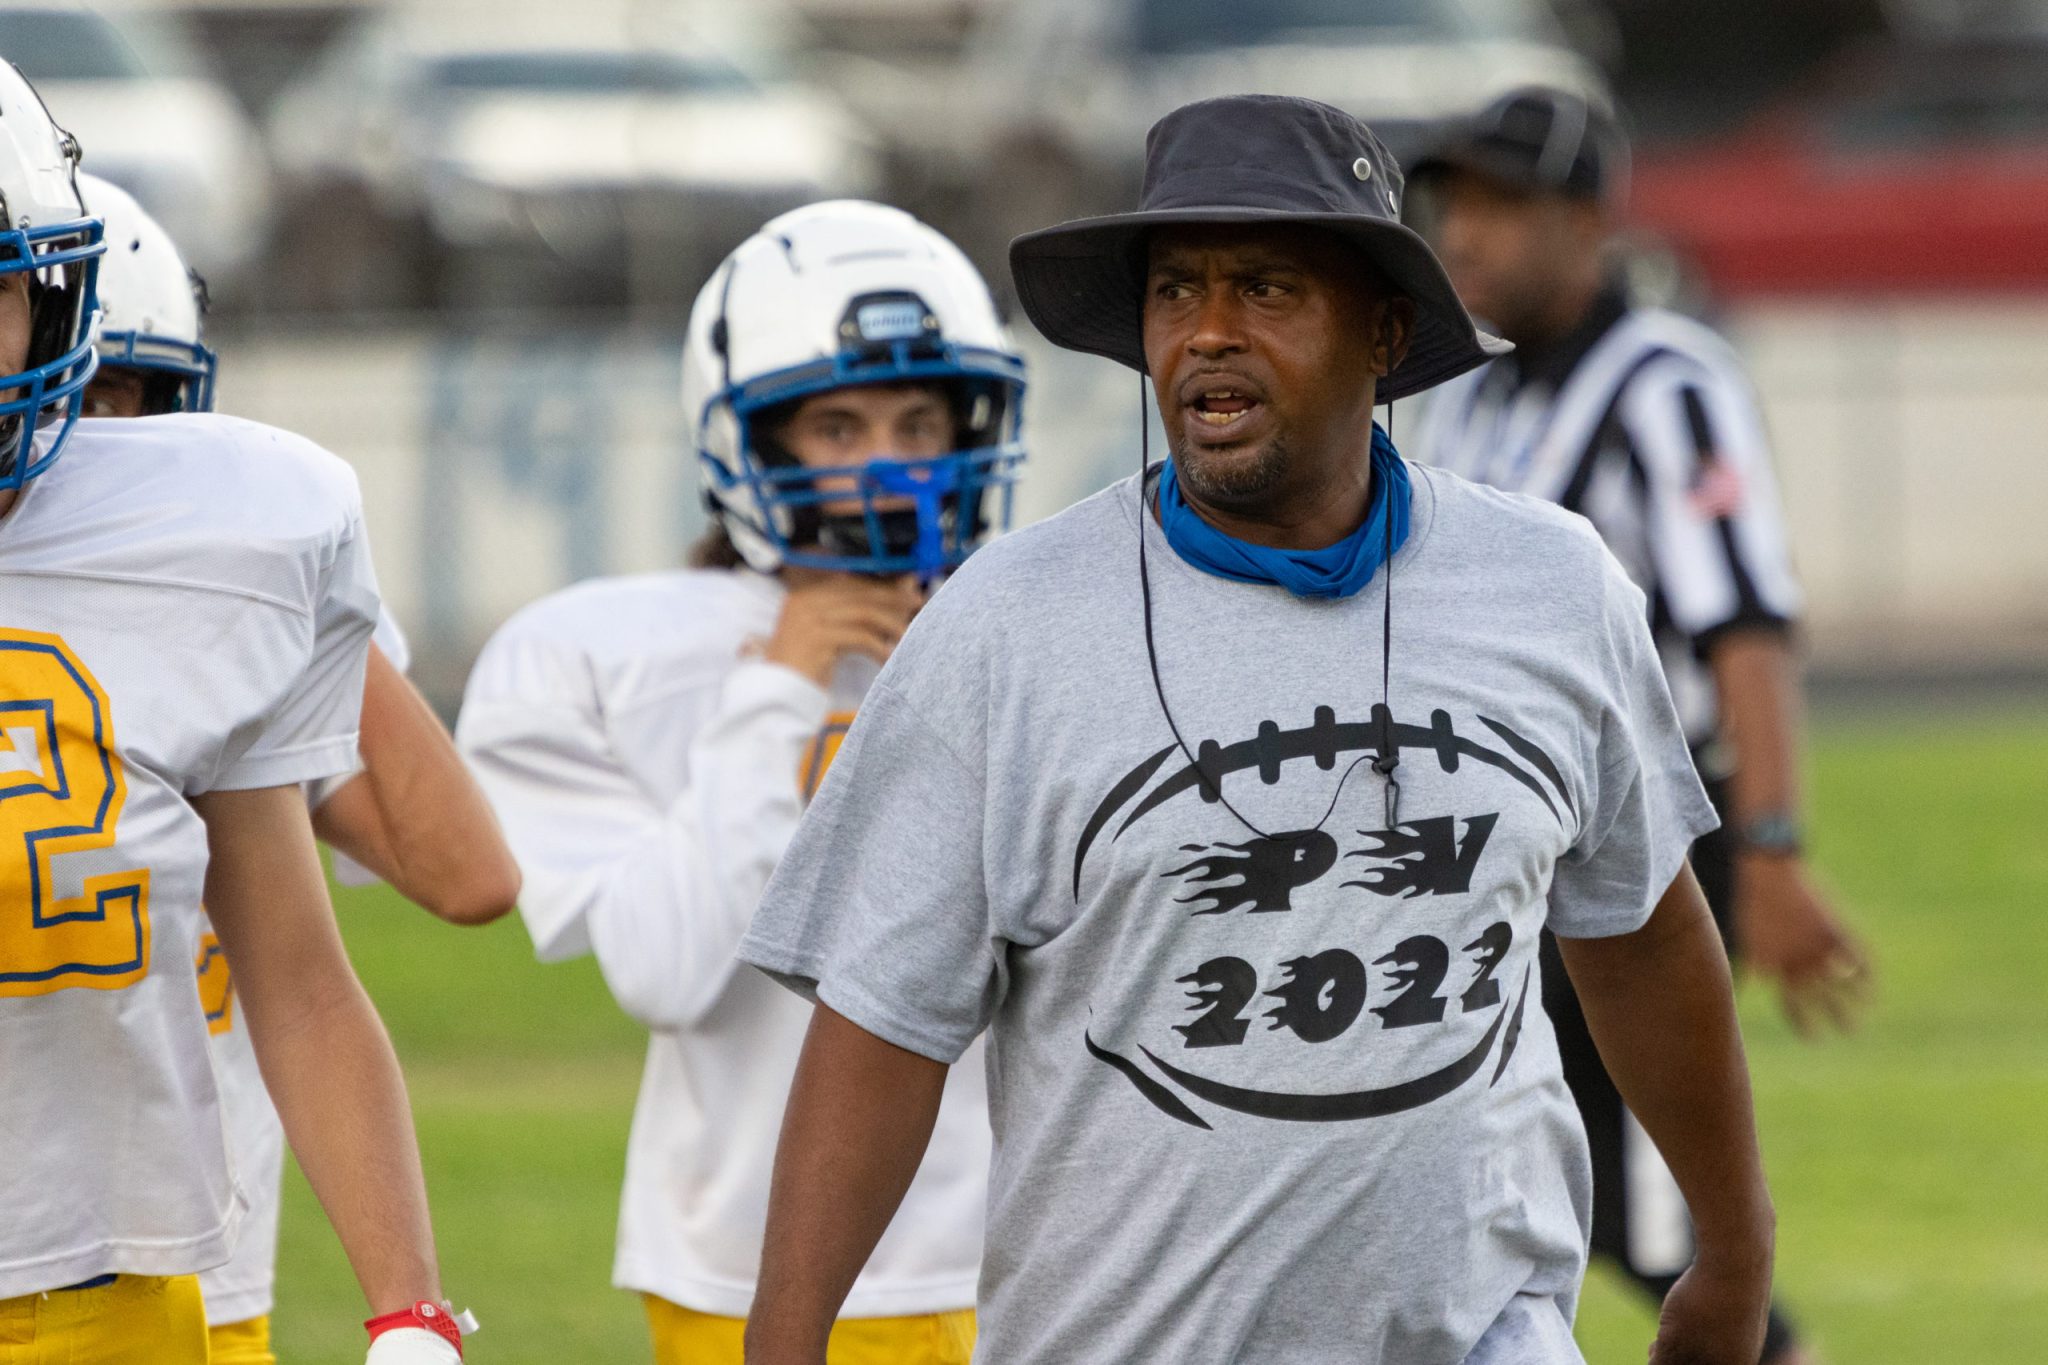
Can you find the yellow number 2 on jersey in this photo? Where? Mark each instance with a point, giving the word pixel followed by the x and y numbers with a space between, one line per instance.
pixel 61 792
pixel 216 985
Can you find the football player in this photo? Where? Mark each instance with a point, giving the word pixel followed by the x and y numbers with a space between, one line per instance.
pixel 650 741
pixel 412 815
pixel 185 608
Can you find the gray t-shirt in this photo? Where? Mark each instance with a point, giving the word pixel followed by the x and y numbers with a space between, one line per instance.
pixel 1268 1100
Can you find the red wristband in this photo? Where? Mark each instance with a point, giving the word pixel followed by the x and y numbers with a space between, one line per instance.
pixel 431 1316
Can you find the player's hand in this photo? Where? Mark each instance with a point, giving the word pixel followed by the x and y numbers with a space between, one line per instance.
pixel 424 1334
pixel 827 616
pixel 1714 1315
pixel 1786 931
pixel 412 1346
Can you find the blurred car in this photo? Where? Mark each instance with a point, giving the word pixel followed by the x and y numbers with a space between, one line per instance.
pixel 1045 114
pixel 153 120
pixel 1919 164
pixel 634 159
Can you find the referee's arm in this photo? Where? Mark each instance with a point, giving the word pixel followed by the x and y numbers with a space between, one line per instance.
pixel 1718 542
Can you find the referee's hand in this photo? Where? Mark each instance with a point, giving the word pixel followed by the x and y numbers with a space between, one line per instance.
pixel 1787 932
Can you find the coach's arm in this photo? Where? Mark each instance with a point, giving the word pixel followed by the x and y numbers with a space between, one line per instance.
pixel 860 1115
pixel 1661 1007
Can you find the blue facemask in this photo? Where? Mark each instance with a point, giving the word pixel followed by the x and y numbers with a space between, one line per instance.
pixel 1338 570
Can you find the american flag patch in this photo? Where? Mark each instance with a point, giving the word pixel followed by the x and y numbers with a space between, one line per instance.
pixel 1716 491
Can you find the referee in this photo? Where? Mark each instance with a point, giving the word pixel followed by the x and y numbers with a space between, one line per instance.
pixel 1644 422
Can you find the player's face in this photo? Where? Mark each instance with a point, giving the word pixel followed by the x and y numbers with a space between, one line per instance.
pixel 1510 251
pixel 14 322
pixel 1264 344
pixel 854 426
pixel 117 391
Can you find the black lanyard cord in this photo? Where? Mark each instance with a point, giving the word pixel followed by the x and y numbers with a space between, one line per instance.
pixel 1388 757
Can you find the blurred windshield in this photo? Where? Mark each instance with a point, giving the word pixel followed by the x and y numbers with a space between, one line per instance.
pixel 1168 26
pixel 66 45
pixel 582 73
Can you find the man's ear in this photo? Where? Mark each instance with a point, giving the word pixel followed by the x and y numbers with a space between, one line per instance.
pixel 1396 330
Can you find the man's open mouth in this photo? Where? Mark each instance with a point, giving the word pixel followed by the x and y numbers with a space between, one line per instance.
pixel 1221 405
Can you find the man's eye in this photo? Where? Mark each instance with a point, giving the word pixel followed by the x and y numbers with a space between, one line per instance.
pixel 1265 289
pixel 1174 291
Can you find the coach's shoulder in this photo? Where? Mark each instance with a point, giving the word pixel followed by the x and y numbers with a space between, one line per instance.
pixel 1509 529
pixel 1529 560
pixel 1047 560
pixel 1026 581
pixel 1015 597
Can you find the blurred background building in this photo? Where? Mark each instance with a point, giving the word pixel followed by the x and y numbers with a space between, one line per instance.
pixel 455 241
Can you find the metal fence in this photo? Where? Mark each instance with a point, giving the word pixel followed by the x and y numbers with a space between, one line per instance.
pixel 500 464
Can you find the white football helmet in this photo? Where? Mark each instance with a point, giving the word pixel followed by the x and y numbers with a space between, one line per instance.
pixel 46 234
pixel 830 296
pixel 152 305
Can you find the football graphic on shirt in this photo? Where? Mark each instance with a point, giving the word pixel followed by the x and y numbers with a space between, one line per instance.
pixel 1364 967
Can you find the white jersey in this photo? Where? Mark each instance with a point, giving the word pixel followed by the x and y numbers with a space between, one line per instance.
pixel 1644 422
pixel 649 775
pixel 185 606
pixel 245 1287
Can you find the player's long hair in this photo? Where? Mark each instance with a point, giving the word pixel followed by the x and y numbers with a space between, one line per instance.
pixel 715 550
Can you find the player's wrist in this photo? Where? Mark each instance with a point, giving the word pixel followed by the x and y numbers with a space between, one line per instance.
pixel 424 1333
pixel 795 646
pixel 814 666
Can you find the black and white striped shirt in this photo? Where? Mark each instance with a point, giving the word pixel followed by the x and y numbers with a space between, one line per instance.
pixel 1644 422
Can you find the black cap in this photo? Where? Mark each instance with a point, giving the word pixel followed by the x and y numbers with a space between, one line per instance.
pixel 1538 138
pixel 1247 159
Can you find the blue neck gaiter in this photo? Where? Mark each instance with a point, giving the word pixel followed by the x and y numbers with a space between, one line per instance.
pixel 1338 570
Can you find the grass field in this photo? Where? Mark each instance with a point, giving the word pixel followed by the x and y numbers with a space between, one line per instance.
pixel 1910 1163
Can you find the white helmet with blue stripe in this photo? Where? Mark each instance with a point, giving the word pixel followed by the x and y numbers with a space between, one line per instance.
pixel 47 235
pixel 152 305
pixel 831 296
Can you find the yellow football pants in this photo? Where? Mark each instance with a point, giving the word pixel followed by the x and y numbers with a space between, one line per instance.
pixel 683 1336
pixel 136 1320
pixel 241 1343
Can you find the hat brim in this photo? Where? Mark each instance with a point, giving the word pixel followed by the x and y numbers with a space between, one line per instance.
pixel 1082 285
pixel 1497 165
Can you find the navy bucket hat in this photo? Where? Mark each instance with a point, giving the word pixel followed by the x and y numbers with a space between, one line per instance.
pixel 1248 159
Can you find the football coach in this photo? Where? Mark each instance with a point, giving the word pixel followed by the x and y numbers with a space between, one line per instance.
pixel 1232 803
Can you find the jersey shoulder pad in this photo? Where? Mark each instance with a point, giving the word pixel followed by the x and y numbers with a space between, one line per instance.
pixel 200 500
pixel 626 634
